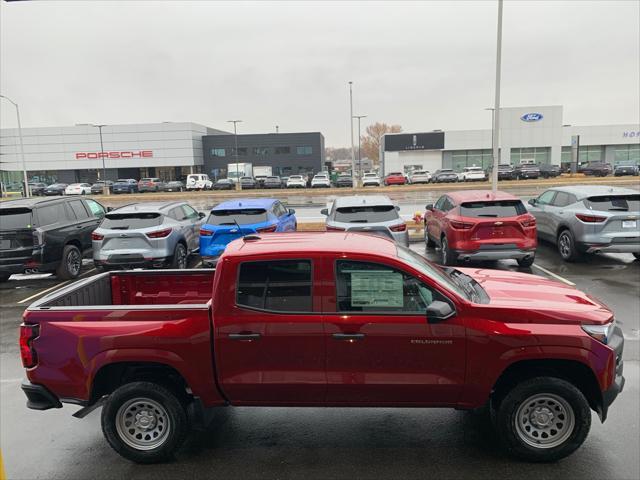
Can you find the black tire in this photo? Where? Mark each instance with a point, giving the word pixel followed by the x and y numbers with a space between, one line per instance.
pixel 567 246
pixel 565 414
pixel 161 404
pixel 446 256
pixel 179 257
pixel 526 262
pixel 70 263
pixel 427 240
pixel 4 277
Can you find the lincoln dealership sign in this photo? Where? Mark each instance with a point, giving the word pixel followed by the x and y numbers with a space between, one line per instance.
pixel 126 154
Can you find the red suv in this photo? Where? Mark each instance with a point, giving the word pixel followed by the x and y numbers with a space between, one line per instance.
pixel 395 178
pixel 480 225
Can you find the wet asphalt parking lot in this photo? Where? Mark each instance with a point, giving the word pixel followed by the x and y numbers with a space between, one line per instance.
pixel 328 443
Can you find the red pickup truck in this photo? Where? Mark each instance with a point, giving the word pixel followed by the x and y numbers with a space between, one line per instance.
pixel 323 319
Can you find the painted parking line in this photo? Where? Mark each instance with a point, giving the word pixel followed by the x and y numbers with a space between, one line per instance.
pixel 557 277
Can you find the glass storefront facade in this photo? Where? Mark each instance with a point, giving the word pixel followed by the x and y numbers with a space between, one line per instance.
pixel 626 155
pixel 460 159
pixel 539 155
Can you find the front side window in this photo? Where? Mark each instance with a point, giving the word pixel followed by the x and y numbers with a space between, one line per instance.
pixel 440 203
pixel 562 199
pixel 189 213
pixel 546 197
pixel 375 288
pixel 279 285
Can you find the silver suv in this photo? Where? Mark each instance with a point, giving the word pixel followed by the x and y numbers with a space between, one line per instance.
pixel 374 214
pixel 589 219
pixel 147 235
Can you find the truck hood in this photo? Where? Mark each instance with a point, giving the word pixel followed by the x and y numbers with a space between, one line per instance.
pixel 543 299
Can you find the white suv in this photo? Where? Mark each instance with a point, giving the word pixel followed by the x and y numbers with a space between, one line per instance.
pixel 198 181
pixel 470 174
pixel 296 181
pixel 321 180
pixel 370 179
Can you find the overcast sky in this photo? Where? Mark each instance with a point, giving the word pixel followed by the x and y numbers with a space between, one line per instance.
pixel 424 65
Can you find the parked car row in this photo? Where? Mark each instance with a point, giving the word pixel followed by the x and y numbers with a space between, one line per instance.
pixel 579 220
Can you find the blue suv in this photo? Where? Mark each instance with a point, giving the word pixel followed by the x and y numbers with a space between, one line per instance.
pixel 237 218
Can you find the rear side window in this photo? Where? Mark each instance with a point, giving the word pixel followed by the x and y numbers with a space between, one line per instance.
pixel 366 214
pixel 622 203
pixel 501 208
pixel 245 216
pixel 78 209
pixel 15 218
pixel 126 221
pixel 50 214
pixel 280 285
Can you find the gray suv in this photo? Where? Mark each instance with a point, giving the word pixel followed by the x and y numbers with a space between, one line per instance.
pixel 589 219
pixel 374 214
pixel 147 235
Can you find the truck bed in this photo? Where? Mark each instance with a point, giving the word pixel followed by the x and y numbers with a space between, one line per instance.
pixel 137 287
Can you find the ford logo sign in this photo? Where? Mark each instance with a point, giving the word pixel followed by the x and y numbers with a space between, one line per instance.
pixel 531 117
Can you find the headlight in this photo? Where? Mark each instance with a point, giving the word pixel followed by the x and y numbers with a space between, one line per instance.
pixel 602 333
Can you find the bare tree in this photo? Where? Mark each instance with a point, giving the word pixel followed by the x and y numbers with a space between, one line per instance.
pixel 337 153
pixel 372 138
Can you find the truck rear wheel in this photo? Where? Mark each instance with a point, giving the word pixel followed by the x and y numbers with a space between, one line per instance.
pixel 144 422
pixel 543 419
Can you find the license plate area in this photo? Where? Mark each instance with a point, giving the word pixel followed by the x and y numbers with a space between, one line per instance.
pixel 629 224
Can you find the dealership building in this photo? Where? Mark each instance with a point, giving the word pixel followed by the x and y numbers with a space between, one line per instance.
pixel 75 154
pixel 526 134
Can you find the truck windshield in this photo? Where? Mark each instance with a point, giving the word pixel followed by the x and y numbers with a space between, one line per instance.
pixel 126 221
pixel 431 271
pixel 502 208
pixel 622 203
pixel 15 218
pixel 366 214
pixel 245 216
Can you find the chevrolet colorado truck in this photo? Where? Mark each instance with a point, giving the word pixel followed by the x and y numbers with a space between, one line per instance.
pixel 323 319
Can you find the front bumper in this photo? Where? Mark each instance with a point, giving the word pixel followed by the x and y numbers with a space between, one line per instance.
pixel 39 397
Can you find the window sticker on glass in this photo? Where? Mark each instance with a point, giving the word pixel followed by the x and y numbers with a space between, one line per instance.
pixel 376 289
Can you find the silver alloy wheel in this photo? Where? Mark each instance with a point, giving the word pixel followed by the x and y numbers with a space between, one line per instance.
pixel 143 423
pixel 544 420
pixel 74 262
pixel 564 245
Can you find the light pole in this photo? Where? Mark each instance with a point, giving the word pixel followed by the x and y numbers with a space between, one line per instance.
pixel 24 163
pixel 492 120
pixel 277 129
pixel 359 154
pixel 495 137
pixel 353 151
pixel 235 136
pixel 105 187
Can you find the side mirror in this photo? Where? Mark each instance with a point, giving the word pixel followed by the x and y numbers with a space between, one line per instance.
pixel 439 310
pixel 325 211
pixel 201 214
pixel 397 208
pixel 532 201
pixel 109 209
pixel 430 207
pixel 292 211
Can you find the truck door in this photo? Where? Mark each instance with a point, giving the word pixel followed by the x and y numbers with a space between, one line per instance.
pixel 269 339
pixel 380 347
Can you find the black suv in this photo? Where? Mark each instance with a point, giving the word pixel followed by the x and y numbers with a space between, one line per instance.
pixel 549 171
pixel 525 170
pixel 597 169
pixel 506 172
pixel 46 235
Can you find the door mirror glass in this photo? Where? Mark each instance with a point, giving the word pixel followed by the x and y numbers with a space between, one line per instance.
pixel 430 207
pixel 397 208
pixel 439 310
pixel 324 211
pixel 532 201
pixel 201 214
pixel 291 211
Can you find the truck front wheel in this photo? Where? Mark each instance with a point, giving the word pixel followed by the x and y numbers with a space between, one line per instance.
pixel 543 419
pixel 144 422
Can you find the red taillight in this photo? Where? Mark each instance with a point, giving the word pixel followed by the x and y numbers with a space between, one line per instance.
pixel 590 218
pixel 205 233
pixel 27 353
pixel 528 222
pixel 460 225
pixel 160 233
pixel 271 228
pixel 398 228
pixel 96 236
pixel 334 229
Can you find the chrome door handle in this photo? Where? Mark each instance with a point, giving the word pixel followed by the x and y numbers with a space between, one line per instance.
pixel 348 336
pixel 244 336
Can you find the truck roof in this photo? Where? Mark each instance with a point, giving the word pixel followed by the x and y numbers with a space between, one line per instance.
pixel 245 203
pixel 312 242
